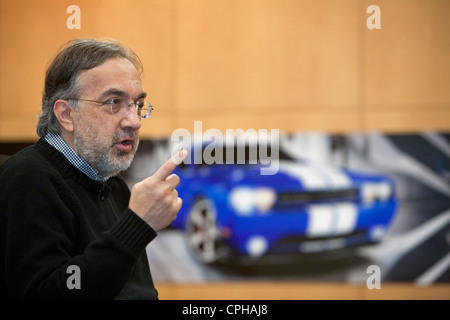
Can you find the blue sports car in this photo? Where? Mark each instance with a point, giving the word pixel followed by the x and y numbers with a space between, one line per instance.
pixel 231 212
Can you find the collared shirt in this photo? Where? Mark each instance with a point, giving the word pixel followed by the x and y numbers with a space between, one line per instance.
pixel 59 144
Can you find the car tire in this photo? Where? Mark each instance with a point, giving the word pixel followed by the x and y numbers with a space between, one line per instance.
pixel 202 233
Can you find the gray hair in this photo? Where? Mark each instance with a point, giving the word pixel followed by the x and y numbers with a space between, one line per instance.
pixel 61 79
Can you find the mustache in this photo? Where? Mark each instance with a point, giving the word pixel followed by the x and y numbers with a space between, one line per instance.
pixel 124 134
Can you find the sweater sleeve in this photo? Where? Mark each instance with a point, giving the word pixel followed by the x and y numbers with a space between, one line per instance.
pixel 40 242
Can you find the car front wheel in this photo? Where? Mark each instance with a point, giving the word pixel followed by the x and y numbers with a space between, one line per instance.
pixel 203 235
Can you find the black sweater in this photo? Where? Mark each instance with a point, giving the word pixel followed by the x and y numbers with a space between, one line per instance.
pixel 53 216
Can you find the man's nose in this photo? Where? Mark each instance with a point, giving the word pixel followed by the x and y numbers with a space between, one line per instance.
pixel 132 119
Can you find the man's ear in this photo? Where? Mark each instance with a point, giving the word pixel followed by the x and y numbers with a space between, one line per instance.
pixel 64 114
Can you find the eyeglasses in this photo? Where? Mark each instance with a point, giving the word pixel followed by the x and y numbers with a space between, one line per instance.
pixel 122 107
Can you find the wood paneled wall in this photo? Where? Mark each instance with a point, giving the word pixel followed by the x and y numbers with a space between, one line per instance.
pixel 294 290
pixel 293 65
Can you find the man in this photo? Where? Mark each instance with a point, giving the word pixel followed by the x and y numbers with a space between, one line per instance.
pixel 69 225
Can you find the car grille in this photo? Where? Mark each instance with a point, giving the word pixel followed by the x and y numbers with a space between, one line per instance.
pixel 317 196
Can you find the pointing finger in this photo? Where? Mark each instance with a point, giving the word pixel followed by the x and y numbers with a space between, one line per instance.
pixel 166 169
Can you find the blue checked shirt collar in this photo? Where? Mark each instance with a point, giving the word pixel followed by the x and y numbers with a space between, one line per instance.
pixel 59 144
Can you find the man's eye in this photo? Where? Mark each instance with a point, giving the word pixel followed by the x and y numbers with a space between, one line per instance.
pixel 140 104
pixel 114 102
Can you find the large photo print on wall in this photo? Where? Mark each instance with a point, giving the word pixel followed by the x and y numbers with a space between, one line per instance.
pixel 332 208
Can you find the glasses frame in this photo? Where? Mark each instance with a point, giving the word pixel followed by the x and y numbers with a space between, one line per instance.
pixel 149 106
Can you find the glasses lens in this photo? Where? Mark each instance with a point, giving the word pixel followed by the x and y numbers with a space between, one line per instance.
pixel 144 113
pixel 120 106
pixel 115 105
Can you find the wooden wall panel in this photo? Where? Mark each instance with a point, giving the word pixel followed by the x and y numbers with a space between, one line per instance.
pixel 293 65
pixel 293 290
pixel 268 59
pixel 32 31
pixel 407 67
pixel 284 119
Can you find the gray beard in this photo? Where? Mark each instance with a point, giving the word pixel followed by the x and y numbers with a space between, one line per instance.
pixel 99 155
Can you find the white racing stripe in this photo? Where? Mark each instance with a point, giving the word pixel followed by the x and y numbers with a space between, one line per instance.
pixel 303 174
pixel 347 217
pixel 335 177
pixel 314 177
pixel 320 220
pixel 324 219
pixel 331 219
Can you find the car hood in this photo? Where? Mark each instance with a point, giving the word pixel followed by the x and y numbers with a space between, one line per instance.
pixel 290 175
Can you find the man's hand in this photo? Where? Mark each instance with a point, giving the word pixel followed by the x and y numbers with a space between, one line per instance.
pixel 155 199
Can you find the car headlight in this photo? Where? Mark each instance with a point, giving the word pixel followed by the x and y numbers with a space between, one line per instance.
pixel 376 191
pixel 247 200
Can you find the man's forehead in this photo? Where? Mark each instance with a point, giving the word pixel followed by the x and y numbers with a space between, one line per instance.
pixel 113 73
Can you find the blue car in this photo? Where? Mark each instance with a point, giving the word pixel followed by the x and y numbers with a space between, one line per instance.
pixel 232 212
